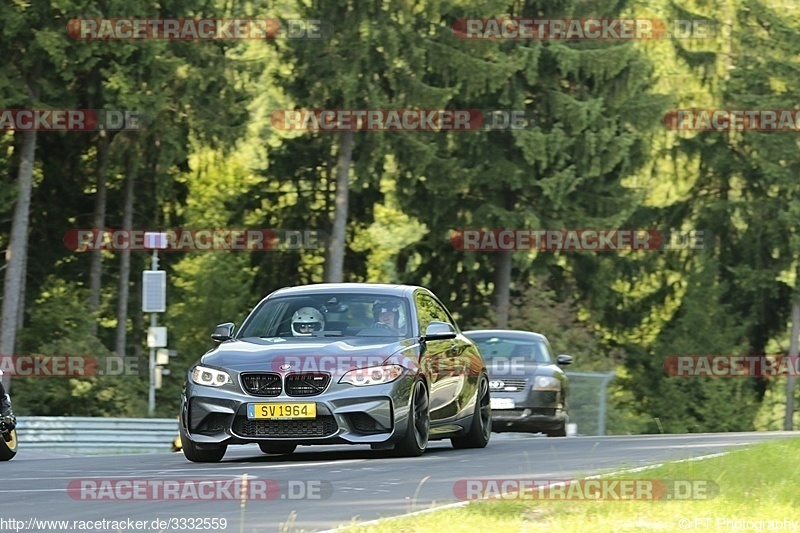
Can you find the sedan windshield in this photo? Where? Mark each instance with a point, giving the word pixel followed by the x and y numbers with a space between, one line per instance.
pixel 507 349
pixel 329 315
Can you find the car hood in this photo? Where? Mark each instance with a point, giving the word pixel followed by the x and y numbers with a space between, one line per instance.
pixel 269 354
pixel 520 369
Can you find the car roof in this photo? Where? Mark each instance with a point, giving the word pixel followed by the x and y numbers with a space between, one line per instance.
pixel 516 334
pixel 353 288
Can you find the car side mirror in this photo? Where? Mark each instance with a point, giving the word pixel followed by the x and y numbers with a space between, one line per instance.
pixel 223 332
pixel 564 359
pixel 437 331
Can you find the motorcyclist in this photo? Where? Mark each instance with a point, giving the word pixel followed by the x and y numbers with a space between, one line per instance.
pixel 307 321
pixel 386 314
pixel 6 414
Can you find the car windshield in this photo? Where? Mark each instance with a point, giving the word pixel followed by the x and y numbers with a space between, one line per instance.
pixel 329 315
pixel 498 349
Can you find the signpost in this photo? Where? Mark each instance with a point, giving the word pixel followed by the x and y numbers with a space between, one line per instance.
pixel 154 300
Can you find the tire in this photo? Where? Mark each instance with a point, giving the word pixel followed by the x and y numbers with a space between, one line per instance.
pixel 207 454
pixel 480 429
pixel 8 449
pixel 560 431
pixel 415 441
pixel 277 447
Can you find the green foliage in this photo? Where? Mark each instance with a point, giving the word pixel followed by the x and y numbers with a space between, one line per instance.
pixel 209 156
pixel 58 326
pixel 678 404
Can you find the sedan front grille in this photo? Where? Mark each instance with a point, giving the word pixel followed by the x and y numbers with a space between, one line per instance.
pixel 322 426
pixel 508 384
pixel 308 384
pixel 262 384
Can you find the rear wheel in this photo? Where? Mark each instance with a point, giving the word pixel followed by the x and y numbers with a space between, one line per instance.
pixel 8 445
pixel 277 447
pixel 196 454
pixel 415 441
pixel 481 427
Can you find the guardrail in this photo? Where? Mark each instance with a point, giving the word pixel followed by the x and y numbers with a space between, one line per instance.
pixel 95 435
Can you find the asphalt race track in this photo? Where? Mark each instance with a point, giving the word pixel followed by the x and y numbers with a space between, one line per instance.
pixel 344 482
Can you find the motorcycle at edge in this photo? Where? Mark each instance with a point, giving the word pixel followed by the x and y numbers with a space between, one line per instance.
pixel 8 442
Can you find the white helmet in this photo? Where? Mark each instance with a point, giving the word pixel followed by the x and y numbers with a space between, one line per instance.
pixel 309 319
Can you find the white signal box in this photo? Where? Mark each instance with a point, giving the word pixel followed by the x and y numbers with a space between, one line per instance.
pixel 156 337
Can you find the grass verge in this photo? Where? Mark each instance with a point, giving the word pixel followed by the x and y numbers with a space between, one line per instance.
pixel 756 485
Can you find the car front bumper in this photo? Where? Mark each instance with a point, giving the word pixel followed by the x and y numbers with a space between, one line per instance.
pixel 345 415
pixel 536 411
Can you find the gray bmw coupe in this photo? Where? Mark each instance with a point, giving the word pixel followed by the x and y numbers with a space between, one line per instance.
pixel 384 365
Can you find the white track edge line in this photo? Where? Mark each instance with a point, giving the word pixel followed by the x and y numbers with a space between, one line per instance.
pixel 467 502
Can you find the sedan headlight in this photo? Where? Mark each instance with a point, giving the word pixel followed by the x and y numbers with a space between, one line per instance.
pixel 374 375
pixel 208 376
pixel 546 383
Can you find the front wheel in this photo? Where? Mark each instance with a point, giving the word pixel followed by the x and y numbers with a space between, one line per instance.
pixel 480 429
pixel 560 431
pixel 8 445
pixel 415 441
pixel 209 454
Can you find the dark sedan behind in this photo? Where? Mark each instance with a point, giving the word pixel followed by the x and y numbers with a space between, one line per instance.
pixel 529 390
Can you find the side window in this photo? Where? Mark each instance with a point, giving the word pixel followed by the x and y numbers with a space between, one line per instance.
pixel 429 310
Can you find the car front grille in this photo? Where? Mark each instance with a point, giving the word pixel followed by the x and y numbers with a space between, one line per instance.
pixel 322 426
pixel 262 384
pixel 515 384
pixel 307 384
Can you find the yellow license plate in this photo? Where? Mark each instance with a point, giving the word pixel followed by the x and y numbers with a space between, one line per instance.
pixel 281 411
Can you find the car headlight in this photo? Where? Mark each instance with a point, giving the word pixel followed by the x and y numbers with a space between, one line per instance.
pixel 373 375
pixel 208 376
pixel 546 383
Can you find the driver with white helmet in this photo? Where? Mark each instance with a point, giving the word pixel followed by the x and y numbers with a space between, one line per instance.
pixel 386 314
pixel 307 321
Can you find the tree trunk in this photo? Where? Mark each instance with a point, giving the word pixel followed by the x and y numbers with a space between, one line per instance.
pixel 96 268
pixel 23 286
pixel 17 249
pixel 502 273
pixel 125 265
pixel 502 287
pixel 788 422
pixel 335 267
